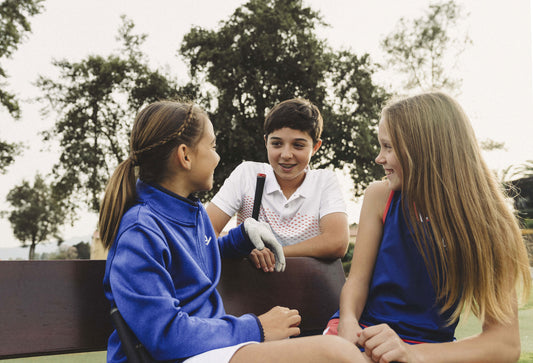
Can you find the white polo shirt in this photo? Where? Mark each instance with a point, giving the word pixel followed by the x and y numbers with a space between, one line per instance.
pixel 293 220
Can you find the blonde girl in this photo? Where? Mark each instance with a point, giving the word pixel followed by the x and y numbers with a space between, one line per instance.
pixel 164 260
pixel 436 239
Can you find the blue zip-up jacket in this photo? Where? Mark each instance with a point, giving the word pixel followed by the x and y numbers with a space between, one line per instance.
pixel 162 272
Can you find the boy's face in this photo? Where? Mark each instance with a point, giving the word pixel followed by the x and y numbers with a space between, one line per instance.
pixel 289 152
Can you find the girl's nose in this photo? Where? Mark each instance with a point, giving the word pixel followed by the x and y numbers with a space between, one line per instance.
pixel 379 159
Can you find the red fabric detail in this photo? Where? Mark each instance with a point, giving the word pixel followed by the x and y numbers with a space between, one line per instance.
pixel 388 206
pixel 332 326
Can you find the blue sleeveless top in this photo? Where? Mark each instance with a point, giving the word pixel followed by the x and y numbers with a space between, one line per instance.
pixel 401 293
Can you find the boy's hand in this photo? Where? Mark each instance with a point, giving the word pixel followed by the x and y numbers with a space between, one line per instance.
pixel 263 259
pixel 261 235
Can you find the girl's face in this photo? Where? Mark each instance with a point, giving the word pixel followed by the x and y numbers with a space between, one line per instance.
pixel 387 157
pixel 289 152
pixel 205 160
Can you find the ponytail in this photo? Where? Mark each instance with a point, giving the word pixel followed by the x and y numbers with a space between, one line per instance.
pixel 157 130
pixel 119 196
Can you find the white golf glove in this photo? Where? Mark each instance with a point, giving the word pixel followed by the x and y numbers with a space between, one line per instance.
pixel 261 235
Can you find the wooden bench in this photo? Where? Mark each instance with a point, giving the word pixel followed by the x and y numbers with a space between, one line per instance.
pixel 56 307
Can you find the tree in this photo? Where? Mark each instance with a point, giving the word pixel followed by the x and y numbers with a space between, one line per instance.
pixel 266 52
pixel 426 50
pixel 36 215
pixel 353 111
pixel 14 25
pixel 96 100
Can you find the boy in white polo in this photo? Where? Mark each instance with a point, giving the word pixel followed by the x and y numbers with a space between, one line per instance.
pixel 304 207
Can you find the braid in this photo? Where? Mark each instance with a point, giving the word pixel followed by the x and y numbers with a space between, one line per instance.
pixel 172 136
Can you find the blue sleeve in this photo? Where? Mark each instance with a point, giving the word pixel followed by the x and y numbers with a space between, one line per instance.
pixel 154 290
pixel 235 244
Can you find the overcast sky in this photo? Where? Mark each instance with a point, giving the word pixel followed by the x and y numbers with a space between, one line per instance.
pixel 496 70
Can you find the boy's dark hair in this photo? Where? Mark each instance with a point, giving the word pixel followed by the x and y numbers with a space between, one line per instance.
pixel 296 113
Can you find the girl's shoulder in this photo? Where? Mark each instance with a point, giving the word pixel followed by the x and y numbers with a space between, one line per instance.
pixel 378 189
pixel 377 196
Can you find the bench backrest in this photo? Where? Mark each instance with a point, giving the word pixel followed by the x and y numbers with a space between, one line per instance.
pixel 50 307
pixel 54 307
pixel 309 285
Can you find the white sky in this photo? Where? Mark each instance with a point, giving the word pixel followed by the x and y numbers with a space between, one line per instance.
pixel 496 70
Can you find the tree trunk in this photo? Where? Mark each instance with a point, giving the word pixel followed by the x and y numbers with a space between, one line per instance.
pixel 32 251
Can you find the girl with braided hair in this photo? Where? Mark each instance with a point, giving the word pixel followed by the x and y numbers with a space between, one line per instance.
pixel 164 259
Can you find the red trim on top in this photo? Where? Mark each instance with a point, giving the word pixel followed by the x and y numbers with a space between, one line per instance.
pixel 387 206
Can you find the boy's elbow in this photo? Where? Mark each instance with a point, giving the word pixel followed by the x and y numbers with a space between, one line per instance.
pixel 339 249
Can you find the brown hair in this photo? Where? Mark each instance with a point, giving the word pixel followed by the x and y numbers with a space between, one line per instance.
pixel 474 248
pixel 157 130
pixel 296 113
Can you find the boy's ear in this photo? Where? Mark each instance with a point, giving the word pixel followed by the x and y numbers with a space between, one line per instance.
pixel 183 156
pixel 316 146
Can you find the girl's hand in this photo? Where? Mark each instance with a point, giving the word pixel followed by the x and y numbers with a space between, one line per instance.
pixel 383 345
pixel 280 323
pixel 349 330
pixel 263 259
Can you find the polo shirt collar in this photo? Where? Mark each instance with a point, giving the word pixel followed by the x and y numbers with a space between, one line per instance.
pixel 271 184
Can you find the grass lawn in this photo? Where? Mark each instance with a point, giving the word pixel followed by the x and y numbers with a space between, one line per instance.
pixel 525 315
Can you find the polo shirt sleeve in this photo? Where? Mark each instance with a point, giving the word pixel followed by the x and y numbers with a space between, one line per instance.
pixel 230 196
pixel 331 200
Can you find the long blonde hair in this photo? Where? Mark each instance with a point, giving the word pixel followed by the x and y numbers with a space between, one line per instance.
pixel 472 245
pixel 157 130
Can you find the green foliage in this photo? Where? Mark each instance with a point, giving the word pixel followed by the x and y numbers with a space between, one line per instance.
pixel 13 27
pixel 347 259
pixel 425 49
pixel 96 100
pixel 84 250
pixel 526 168
pixel 35 215
pixel 266 52
pixel 81 250
pixel 8 151
pixel 528 223
pixel 351 113
pixel 490 145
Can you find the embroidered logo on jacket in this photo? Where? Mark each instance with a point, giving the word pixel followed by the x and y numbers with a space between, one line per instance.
pixel 207 240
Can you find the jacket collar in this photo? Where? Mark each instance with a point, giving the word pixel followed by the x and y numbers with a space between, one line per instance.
pixel 167 203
